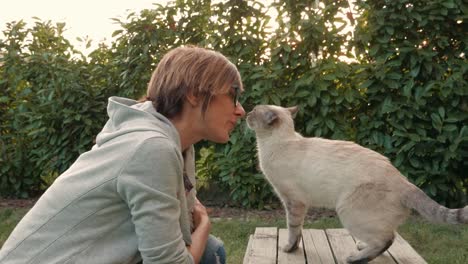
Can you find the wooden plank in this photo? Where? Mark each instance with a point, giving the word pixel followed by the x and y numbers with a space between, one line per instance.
pixel 296 256
pixel 385 258
pixel 263 246
pixel 248 249
pixel 342 244
pixel 403 253
pixel 317 249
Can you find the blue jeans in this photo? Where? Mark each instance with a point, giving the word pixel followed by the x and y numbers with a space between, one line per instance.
pixel 214 252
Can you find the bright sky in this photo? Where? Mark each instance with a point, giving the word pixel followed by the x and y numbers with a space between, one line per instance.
pixel 83 18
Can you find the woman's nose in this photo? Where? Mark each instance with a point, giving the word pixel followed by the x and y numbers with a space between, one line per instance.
pixel 239 110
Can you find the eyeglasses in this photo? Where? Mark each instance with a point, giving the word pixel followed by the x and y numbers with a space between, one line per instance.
pixel 236 95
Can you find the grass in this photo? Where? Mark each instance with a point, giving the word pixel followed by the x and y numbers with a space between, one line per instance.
pixel 439 244
pixel 9 217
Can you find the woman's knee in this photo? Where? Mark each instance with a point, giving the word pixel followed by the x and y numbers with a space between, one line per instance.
pixel 214 252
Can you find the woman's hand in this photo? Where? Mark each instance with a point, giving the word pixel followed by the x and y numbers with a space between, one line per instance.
pixel 202 224
pixel 200 215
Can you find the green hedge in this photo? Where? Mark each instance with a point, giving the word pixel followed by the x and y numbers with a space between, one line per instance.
pixel 416 89
pixel 396 84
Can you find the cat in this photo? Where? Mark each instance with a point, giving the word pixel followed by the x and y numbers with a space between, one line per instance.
pixel 369 194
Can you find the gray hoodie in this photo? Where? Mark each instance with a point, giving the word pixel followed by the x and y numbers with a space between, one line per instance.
pixel 120 202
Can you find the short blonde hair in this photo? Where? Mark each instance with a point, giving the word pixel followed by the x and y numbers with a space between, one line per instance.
pixel 190 70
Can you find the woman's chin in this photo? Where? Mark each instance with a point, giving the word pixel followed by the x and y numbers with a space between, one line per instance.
pixel 219 136
pixel 222 139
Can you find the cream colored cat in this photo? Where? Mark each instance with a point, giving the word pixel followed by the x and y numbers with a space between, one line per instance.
pixel 370 195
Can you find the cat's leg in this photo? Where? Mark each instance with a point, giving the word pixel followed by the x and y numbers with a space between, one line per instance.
pixel 295 211
pixel 374 233
pixel 372 219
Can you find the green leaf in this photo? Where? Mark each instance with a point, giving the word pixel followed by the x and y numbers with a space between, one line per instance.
pixel 325 99
pixel 416 16
pixel 414 137
pixel 392 84
pixel 312 100
pixel 441 111
pixel 415 71
pixel 432 190
pixel 436 121
pixel 373 50
pixel 394 76
pixel 429 86
pixel 330 124
pixel 329 77
pixel 318 132
pixel 366 84
pixel 256 75
pixel 418 94
pixel 408 88
pixel 420 180
pixel 117 32
pixel 303 93
pixel 415 162
pixel 448 4
pixel 4 99
pixel 399 160
pixel 450 128
pixel 309 127
pixel 387 105
pixel 349 95
pixel 443 187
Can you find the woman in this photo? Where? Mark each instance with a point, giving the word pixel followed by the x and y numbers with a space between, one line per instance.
pixel 131 197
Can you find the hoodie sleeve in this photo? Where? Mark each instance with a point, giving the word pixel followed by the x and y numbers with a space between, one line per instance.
pixel 149 184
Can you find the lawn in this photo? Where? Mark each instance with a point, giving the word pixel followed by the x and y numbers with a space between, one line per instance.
pixel 435 243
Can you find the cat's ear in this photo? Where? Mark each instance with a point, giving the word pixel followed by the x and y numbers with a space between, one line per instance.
pixel 293 110
pixel 270 117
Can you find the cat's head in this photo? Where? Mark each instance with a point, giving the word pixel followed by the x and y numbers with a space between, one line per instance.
pixel 267 119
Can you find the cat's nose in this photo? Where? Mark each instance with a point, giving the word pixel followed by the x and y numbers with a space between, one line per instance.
pixel 251 112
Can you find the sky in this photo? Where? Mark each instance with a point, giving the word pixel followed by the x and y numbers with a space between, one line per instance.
pixel 83 18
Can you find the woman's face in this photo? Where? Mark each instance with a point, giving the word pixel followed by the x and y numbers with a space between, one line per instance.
pixel 222 115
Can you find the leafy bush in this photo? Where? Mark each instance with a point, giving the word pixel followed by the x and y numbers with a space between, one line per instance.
pixel 415 88
pixel 396 83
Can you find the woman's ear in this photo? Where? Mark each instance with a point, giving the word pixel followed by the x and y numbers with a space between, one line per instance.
pixel 192 100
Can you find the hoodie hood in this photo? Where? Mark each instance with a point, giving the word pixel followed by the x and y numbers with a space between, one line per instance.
pixel 128 116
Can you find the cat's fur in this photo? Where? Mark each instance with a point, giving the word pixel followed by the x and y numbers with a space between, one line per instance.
pixel 370 196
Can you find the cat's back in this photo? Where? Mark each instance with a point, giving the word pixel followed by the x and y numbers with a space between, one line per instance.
pixel 315 153
pixel 339 150
pixel 327 156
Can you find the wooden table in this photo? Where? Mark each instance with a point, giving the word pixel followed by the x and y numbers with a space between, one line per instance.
pixel 319 246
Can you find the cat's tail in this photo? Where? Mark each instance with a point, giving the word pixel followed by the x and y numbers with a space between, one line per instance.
pixel 416 199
